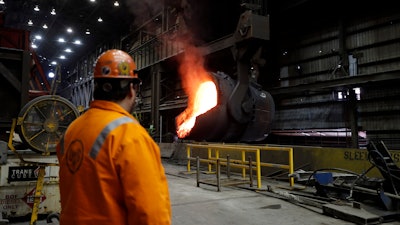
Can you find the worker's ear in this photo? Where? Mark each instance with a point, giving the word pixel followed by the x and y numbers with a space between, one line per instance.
pixel 132 92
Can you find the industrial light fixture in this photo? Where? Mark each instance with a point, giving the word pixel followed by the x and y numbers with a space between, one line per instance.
pixel 61 40
pixel 53 12
pixel 34 45
pixel 2 2
pixel 100 19
pixel 45 26
pixel 87 31
pixel 38 37
pixel 69 30
pixel 116 3
pixel 68 50
pixel 77 42
pixel 30 23
pixel 62 56
pixel 36 8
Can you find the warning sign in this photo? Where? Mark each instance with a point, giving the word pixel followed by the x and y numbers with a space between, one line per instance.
pixel 30 198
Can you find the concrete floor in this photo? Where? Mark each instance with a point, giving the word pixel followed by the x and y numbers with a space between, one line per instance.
pixel 231 206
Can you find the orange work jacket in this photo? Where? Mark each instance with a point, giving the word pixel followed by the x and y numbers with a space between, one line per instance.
pixel 111 171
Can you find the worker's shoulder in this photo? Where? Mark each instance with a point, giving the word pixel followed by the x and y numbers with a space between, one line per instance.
pixel 129 123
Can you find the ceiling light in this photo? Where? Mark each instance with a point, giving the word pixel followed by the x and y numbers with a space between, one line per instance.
pixel 38 37
pixel 53 12
pixel 34 46
pixel 116 3
pixel 87 31
pixel 30 23
pixel 92 0
pixel 69 30
pixel 62 56
pixel 54 63
pixel 77 42
pixel 100 19
pixel 45 26
pixel 2 2
pixel 51 74
pixel 36 8
pixel 61 40
pixel 68 50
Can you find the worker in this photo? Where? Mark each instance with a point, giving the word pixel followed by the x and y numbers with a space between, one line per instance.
pixel 110 168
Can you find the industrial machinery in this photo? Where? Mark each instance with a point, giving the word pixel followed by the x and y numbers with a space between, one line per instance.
pixel 32 121
pixel 43 120
pixel 379 197
pixel 29 181
pixel 253 116
pixel 244 112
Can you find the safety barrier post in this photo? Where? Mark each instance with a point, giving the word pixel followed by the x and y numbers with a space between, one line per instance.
pixel 188 157
pixel 291 167
pixel 243 162
pixel 258 168
pixel 209 151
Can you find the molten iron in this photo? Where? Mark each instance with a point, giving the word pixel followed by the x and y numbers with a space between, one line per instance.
pixel 200 88
pixel 204 100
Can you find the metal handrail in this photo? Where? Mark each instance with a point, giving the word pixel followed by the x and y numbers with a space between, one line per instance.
pixel 243 149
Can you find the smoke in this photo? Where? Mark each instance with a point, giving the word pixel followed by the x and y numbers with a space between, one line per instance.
pixel 144 10
pixel 192 69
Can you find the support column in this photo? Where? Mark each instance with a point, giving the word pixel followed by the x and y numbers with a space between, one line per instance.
pixel 353 115
pixel 155 98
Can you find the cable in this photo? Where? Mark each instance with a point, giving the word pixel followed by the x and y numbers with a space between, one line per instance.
pixel 358 178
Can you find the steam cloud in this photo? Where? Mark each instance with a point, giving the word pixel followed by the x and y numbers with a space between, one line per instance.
pixel 144 10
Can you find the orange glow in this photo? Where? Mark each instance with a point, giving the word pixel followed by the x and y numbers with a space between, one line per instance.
pixel 201 90
pixel 204 100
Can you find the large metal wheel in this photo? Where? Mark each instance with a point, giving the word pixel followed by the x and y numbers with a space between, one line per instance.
pixel 43 120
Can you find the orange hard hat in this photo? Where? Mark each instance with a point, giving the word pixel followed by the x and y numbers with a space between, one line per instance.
pixel 115 63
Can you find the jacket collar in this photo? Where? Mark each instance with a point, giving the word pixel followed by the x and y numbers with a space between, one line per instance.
pixel 108 105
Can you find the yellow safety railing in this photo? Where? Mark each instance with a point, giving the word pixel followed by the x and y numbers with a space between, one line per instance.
pixel 242 162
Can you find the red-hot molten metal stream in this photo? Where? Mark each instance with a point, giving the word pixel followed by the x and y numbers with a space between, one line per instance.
pixel 205 99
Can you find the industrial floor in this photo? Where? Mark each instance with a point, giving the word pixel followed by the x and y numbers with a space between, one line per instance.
pixel 232 205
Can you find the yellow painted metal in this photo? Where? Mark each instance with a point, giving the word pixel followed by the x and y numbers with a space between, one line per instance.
pixel 291 167
pixel 188 157
pixel 38 195
pixel 258 168
pixel 10 139
pixel 243 149
pixel 42 172
pixel 209 156
pixel 229 148
pixel 243 161
pixel 308 157
pixel 355 160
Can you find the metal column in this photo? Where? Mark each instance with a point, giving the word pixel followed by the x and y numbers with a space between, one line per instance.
pixel 155 97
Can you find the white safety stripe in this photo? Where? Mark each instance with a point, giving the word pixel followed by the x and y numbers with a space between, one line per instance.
pixel 104 133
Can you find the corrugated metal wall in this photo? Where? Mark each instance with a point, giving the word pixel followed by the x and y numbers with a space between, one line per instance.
pixel 319 56
pixel 319 67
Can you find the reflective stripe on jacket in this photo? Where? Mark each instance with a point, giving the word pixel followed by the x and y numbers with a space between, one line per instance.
pixel 111 171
